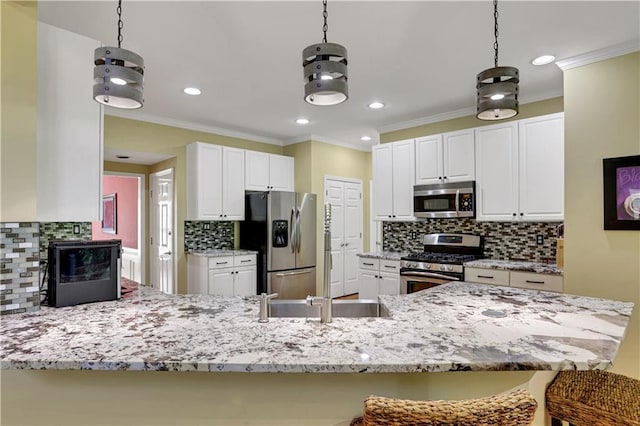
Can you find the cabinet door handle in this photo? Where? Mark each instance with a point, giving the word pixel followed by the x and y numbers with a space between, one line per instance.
pixel 244 261
pixel 514 215
pixel 534 282
pixel 221 263
pixel 521 214
pixel 390 267
pixel 485 276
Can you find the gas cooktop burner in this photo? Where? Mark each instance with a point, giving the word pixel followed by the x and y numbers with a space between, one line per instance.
pixel 449 258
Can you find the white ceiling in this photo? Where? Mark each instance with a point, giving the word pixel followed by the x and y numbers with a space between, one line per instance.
pixel 420 57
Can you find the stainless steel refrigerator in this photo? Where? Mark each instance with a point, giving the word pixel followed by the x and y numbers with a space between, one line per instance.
pixel 281 226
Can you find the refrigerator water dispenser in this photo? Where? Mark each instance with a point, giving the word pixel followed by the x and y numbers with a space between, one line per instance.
pixel 280 237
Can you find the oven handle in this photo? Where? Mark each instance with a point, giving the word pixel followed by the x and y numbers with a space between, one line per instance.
pixel 428 275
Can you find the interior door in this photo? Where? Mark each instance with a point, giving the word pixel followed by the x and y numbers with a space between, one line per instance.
pixel 162 241
pixel 334 194
pixel 345 196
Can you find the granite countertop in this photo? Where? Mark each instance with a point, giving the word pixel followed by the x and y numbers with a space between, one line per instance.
pixel 515 265
pixel 220 252
pixel 452 327
pixel 385 255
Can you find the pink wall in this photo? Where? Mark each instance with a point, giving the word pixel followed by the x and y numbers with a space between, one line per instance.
pixel 126 189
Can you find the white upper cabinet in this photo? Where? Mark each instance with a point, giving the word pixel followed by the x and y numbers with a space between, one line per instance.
pixel 520 170
pixel 215 182
pixel 541 151
pixel 445 158
pixel 497 172
pixel 393 179
pixel 266 172
pixel 69 141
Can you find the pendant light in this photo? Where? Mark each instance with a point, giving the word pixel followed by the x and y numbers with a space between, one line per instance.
pixel 325 70
pixel 497 87
pixel 118 74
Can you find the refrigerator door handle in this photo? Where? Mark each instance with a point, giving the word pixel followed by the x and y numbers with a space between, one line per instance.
pixel 298 231
pixel 294 235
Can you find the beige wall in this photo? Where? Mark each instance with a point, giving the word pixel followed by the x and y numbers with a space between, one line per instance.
pixel 533 109
pixel 140 136
pixel 314 161
pixel 18 89
pixel 602 116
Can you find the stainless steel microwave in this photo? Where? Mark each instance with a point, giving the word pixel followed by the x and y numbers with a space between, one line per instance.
pixel 444 200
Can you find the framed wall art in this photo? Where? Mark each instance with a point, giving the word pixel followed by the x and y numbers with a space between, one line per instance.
pixel 621 193
pixel 109 214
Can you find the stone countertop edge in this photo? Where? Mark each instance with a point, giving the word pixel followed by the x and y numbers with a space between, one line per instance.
pixel 515 265
pixel 468 328
pixel 384 255
pixel 220 252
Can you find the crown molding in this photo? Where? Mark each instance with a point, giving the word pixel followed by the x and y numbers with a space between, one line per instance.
pixel 599 55
pixel 323 139
pixel 460 113
pixel 190 126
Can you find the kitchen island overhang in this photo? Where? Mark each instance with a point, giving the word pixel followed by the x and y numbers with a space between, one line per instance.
pixel 454 327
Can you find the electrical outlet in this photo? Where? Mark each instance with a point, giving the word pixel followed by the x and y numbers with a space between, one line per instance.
pixel 539 240
pixel 388 227
pixel 206 226
pixel 413 236
pixel 224 232
pixel 76 229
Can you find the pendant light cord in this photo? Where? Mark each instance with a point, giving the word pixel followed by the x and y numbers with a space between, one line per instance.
pixel 325 27
pixel 120 24
pixel 495 32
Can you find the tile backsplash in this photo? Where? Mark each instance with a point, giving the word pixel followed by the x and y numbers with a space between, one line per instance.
pixel 19 267
pixel 205 235
pixel 502 240
pixel 62 231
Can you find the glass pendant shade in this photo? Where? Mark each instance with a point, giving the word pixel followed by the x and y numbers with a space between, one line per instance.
pixel 497 93
pixel 118 76
pixel 325 74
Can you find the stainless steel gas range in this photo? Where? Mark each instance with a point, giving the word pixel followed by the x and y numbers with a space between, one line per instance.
pixel 440 262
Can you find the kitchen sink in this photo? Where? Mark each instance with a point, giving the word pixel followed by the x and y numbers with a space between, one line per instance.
pixel 356 308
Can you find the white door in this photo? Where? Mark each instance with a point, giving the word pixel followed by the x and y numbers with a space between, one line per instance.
pixel 403 179
pixel 256 171
pixel 382 181
pixel 345 196
pixel 541 151
pixel 232 184
pixel 429 160
pixel 221 282
pixel 281 173
pixel 497 172
pixel 458 156
pixel 162 241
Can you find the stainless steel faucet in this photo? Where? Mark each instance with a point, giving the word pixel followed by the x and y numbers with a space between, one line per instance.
pixel 326 314
pixel 264 306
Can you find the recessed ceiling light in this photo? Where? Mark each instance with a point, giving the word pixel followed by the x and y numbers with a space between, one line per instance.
pixel 543 60
pixel 365 138
pixel 192 91
pixel 376 105
pixel 118 81
pixel 302 121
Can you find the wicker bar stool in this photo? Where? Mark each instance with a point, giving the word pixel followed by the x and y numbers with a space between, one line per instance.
pixel 593 398
pixel 515 408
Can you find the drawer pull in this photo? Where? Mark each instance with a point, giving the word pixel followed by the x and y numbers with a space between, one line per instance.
pixel 368 264
pixel 221 263
pixel 245 261
pixel 534 282
pixel 486 276
pixel 390 266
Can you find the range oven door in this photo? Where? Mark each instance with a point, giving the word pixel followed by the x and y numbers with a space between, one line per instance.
pixel 412 281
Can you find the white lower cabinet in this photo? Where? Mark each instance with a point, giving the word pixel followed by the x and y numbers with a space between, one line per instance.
pixel 222 276
pixel 528 280
pixel 378 276
pixel 131 264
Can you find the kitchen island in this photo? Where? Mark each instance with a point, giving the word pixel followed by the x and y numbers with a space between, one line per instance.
pixel 451 328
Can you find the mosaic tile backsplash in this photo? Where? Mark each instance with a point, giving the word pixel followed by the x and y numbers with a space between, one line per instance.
pixel 62 231
pixel 502 240
pixel 205 235
pixel 19 267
